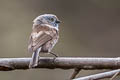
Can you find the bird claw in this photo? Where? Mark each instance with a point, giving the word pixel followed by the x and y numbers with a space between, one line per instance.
pixel 53 54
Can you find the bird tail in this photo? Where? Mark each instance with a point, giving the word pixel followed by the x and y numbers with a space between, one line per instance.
pixel 35 58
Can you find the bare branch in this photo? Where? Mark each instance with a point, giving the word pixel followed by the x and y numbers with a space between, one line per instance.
pixel 61 62
pixel 115 75
pixel 76 71
pixel 99 75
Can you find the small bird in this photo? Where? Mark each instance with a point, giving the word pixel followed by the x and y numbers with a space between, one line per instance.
pixel 44 36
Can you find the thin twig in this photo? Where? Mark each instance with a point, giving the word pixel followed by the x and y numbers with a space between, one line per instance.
pixel 114 75
pixel 98 76
pixel 76 71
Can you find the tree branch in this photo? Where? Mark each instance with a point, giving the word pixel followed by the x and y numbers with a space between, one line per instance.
pixel 61 62
pixel 76 71
pixel 99 75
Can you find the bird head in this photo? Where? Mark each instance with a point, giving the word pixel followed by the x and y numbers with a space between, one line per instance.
pixel 49 19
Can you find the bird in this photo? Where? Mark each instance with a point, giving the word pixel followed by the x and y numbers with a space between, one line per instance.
pixel 44 36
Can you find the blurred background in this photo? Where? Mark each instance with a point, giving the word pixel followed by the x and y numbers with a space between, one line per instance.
pixel 89 28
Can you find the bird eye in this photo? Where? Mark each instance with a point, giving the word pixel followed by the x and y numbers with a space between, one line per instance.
pixel 51 19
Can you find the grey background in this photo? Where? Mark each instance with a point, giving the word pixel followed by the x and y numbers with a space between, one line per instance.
pixel 89 28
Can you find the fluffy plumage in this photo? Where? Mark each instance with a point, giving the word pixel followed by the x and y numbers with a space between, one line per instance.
pixel 43 37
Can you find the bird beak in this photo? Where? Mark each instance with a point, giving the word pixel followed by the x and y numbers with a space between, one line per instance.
pixel 58 21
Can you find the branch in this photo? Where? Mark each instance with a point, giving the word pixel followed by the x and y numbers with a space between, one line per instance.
pixel 76 71
pixel 61 62
pixel 116 74
pixel 99 75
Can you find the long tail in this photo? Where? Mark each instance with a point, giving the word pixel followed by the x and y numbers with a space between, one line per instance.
pixel 35 58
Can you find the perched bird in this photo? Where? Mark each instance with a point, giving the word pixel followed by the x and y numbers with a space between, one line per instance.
pixel 44 36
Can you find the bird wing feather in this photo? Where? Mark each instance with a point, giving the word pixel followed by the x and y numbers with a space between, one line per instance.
pixel 39 36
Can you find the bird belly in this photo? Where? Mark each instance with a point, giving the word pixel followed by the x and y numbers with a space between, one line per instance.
pixel 47 47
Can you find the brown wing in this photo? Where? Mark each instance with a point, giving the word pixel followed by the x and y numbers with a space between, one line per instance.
pixel 39 36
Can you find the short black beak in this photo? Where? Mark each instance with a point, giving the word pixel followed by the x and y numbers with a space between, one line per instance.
pixel 58 21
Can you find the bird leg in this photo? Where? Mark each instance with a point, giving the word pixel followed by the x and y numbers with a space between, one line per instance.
pixel 53 54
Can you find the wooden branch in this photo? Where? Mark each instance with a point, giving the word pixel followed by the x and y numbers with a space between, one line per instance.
pixel 116 74
pixel 76 71
pixel 7 64
pixel 99 75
